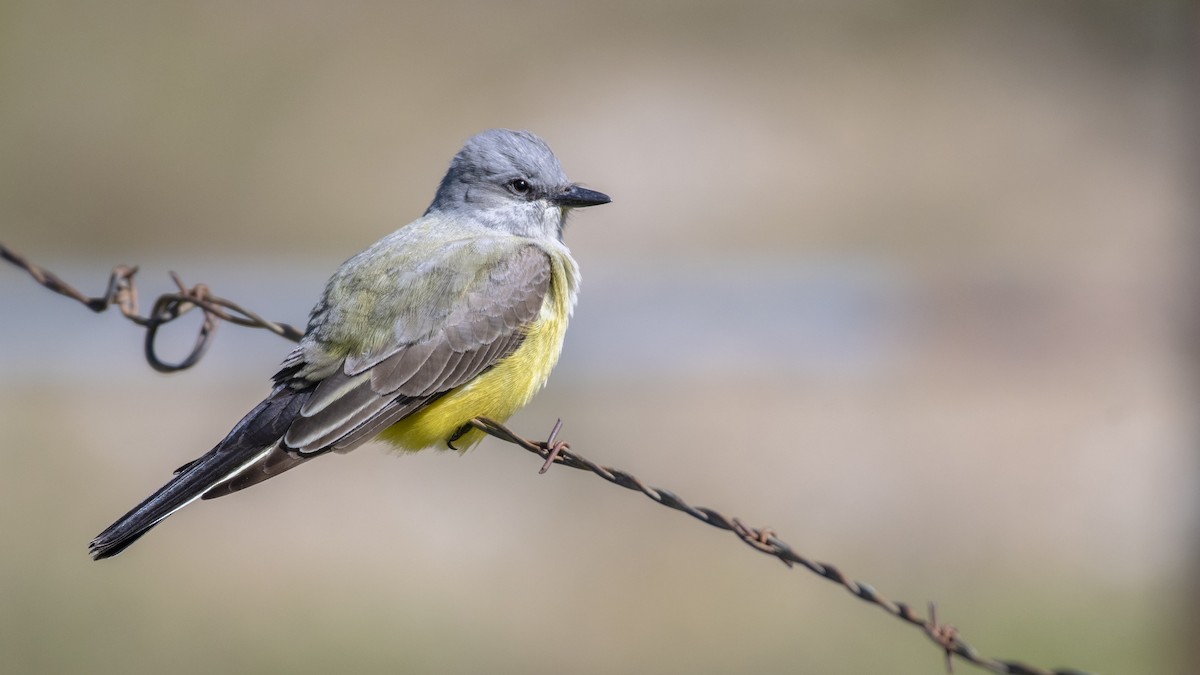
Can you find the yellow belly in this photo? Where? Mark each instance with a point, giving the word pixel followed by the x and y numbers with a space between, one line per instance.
pixel 497 393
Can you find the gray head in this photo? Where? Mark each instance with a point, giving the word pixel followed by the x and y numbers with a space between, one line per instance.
pixel 511 180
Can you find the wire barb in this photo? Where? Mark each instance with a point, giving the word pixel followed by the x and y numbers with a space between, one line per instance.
pixel 122 292
pixel 943 634
pixel 553 449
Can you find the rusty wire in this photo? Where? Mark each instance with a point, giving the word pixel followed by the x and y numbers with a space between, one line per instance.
pixel 122 292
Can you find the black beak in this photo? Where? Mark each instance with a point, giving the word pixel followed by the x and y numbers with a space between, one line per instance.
pixel 577 197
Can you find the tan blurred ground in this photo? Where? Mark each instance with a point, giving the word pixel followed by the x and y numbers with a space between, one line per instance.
pixel 908 283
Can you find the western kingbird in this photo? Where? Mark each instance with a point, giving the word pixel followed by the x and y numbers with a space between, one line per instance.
pixel 459 314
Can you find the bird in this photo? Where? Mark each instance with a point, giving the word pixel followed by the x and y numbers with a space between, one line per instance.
pixel 459 314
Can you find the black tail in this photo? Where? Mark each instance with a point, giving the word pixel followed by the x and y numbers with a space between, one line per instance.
pixel 250 442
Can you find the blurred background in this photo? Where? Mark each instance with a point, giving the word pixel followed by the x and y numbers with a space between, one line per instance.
pixel 910 283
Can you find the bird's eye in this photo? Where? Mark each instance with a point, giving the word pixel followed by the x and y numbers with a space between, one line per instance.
pixel 519 186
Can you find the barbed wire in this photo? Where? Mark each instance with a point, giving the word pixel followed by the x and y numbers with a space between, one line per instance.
pixel 122 292
pixel 765 541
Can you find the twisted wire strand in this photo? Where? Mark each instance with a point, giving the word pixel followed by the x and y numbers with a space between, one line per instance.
pixel 122 292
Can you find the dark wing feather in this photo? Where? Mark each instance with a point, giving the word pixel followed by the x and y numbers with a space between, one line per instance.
pixel 394 412
pixel 274 463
